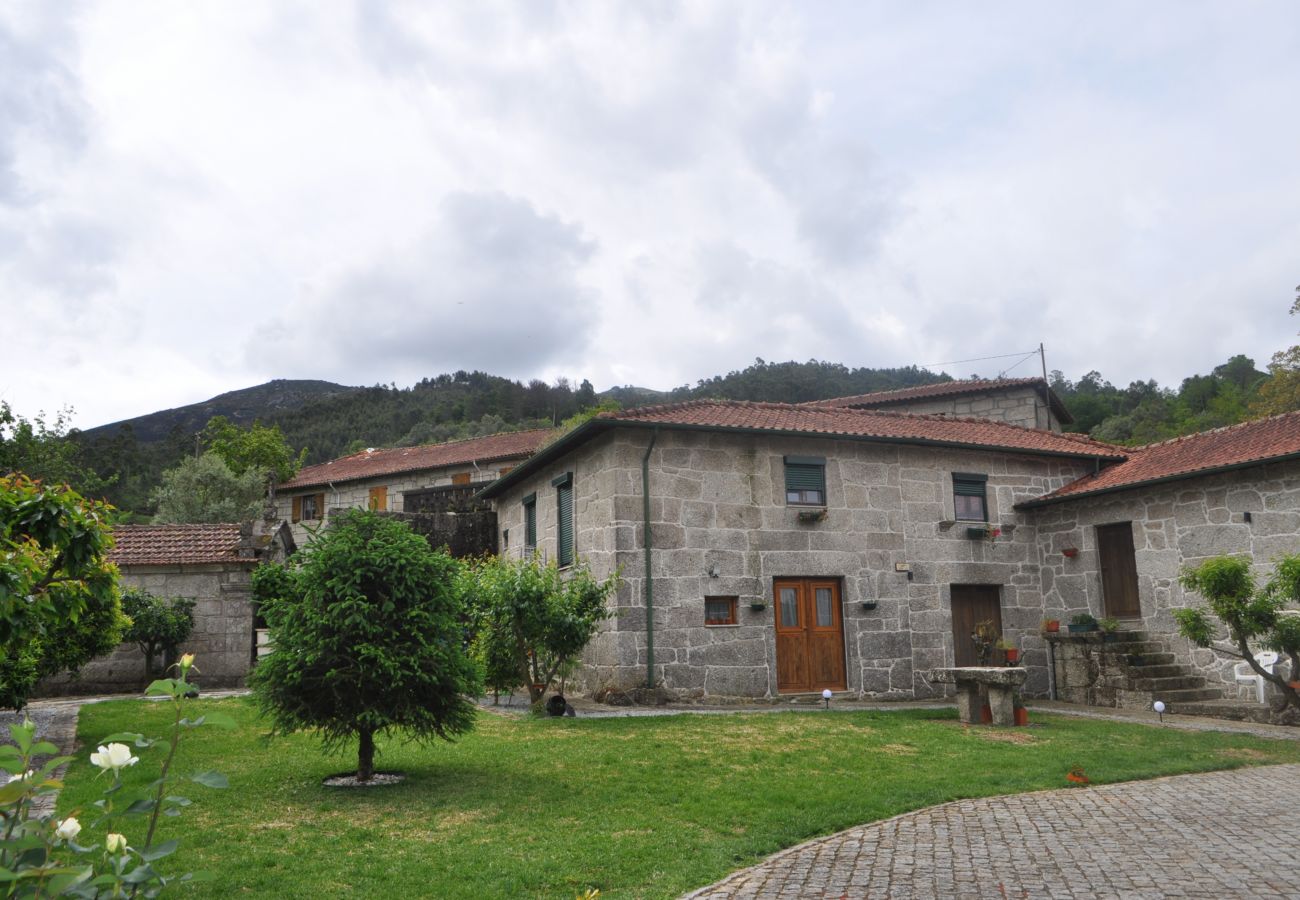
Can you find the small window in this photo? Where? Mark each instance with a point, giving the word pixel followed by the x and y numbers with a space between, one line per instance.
pixel 505 538
pixel 969 497
pixel 460 478
pixel 719 610
pixel 805 480
pixel 564 519
pixel 530 524
pixel 309 508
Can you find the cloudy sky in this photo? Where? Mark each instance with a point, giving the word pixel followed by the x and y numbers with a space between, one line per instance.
pixel 197 197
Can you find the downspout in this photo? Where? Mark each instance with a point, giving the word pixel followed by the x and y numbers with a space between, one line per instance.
pixel 649 548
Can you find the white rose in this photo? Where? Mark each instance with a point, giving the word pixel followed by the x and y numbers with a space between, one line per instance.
pixel 114 756
pixel 115 842
pixel 68 829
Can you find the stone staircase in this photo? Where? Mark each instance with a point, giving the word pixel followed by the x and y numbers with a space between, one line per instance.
pixel 1128 670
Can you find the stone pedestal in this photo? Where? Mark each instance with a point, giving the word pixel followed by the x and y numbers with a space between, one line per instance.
pixel 1002 684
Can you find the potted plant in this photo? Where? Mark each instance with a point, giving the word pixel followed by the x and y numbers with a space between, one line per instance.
pixel 758 605
pixel 983 532
pixel 984 636
pixel 1083 622
pixel 1051 626
pixel 1071 552
pixel 1010 649
pixel 1109 628
pixel 1022 714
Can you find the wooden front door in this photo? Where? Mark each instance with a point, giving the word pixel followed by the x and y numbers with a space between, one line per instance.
pixel 1119 577
pixel 809 635
pixel 972 603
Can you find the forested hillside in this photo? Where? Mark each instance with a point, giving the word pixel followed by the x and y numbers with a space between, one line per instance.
pixel 330 420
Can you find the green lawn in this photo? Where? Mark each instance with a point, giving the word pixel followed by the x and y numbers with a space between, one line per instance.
pixel 636 807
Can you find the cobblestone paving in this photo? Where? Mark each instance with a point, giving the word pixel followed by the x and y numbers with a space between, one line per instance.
pixel 1217 835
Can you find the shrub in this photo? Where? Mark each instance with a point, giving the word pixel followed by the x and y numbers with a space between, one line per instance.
pixel 365 625
pixel 530 622
pixel 158 626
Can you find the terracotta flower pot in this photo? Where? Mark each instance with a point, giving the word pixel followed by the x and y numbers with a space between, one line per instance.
pixel 986 714
pixel 1022 716
pixel 1013 656
pixel 1053 625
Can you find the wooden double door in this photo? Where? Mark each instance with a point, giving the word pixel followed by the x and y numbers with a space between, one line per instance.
pixel 809 635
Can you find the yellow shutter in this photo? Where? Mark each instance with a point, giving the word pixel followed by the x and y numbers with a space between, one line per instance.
pixel 297 509
pixel 379 497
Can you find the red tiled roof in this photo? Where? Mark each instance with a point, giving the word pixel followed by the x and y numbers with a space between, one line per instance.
pixel 162 545
pixel 373 463
pixel 891 426
pixel 1248 443
pixel 788 418
pixel 946 389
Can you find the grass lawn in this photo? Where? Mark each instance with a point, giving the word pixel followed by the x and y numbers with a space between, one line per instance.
pixel 638 807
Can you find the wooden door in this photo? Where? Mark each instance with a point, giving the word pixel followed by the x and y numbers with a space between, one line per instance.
pixel 379 497
pixel 809 635
pixel 972 603
pixel 1119 578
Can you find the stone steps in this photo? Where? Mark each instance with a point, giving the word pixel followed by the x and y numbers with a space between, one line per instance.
pixel 1236 710
pixel 1162 670
pixel 1187 695
pixel 1168 683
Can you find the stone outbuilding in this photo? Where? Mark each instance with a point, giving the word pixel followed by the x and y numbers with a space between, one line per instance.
pixel 771 549
pixel 433 480
pixel 209 564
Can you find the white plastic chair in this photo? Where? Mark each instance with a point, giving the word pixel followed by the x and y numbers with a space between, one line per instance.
pixel 1244 674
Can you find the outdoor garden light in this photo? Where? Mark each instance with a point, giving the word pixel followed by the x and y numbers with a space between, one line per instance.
pixel 1159 707
pixel 826 695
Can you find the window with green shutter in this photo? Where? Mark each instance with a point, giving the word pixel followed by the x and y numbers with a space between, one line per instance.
pixel 805 480
pixel 564 519
pixel 970 497
pixel 530 524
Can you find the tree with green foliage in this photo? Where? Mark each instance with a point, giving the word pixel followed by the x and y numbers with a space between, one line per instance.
pixel 530 621
pixel 1280 392
pixel 59 604
pixel 257 447
pixel 44 451
pixel 158 627
pixel 1250 613
pixel 205 490
pixel 366 628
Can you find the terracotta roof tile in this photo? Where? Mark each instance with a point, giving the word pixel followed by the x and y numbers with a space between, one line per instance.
pixel 892 426
pixel 1248 443
pixel 373 463
pixel 162 545
pixel 946 389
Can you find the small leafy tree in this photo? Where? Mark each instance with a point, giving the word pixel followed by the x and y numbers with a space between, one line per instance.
pixel 1249 613
pixel 59 603
pixel 256 447
pixel 367 639
pixel 206 490
pixel 531 621
pixel 158 627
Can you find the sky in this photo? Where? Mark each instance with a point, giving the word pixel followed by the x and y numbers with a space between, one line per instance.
pixel 198 197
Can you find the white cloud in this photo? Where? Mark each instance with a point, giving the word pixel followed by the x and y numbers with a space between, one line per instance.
pixel 199 197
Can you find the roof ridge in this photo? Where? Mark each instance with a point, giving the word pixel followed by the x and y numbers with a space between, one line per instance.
pixel 1221 429
pixel 969 382
pixel 374 450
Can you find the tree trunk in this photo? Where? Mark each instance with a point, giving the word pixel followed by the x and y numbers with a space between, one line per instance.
pixel 366 756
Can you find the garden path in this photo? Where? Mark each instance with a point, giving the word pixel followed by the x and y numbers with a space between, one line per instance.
pixel 1210 835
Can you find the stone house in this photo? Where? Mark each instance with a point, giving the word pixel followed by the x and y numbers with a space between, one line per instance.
pixel 769 549
pixel 402 479
pixel 209 564
pixel 1019 401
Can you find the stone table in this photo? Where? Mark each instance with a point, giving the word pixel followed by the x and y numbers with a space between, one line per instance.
pixel 1001 682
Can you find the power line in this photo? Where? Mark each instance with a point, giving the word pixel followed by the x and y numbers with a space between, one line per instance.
pixel 953 362
pixel 1027 356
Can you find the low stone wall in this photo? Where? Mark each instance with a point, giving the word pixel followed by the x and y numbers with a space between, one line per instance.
pixel 222 638
pixel 1095 673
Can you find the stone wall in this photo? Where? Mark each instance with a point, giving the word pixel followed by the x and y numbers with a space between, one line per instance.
pixel 222 638
pixel 721 527
pixel 1175 525
pixel 1020 406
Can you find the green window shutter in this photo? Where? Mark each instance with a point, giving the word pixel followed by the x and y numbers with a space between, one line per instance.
pixel 805 480
pixel 564 506
pixel 967 485
pixel 530 522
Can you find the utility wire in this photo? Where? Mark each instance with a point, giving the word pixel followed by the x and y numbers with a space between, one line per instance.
pixel 953 362
pixel 1027 356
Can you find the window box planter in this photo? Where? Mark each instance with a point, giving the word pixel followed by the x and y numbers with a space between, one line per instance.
pixel 758 606
pixel 812 515
pixel 1081 629
pixel 869 604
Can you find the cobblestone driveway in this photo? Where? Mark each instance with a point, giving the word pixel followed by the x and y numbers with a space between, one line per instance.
pixel 1222 834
